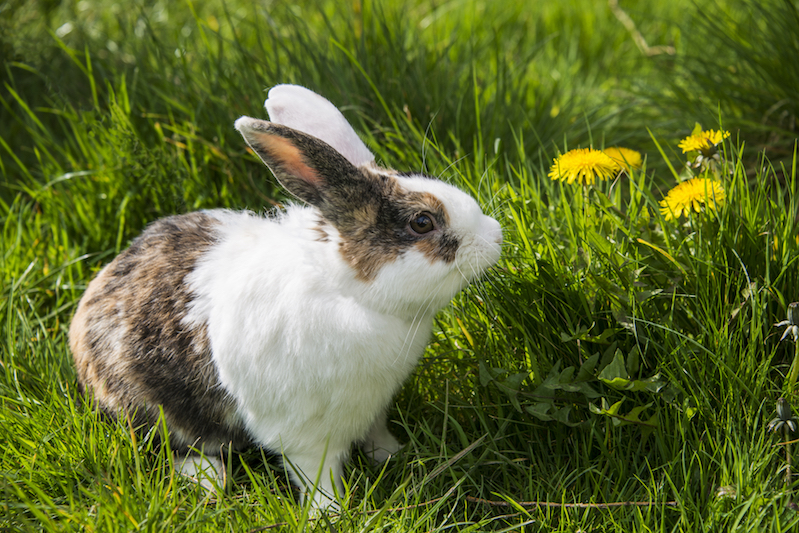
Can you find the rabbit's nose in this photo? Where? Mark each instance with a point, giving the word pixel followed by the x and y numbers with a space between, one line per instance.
pixel 492 230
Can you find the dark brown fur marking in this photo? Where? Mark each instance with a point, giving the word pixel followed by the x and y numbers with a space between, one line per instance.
pixel 133 352
pixel 376 231
pixel 368 208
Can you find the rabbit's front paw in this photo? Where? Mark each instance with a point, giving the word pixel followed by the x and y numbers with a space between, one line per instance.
pixel 379 445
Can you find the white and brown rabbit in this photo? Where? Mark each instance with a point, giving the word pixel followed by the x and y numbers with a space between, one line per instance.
pixel 293 331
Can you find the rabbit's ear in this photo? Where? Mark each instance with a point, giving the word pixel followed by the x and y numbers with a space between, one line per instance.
pixel 306 166
pixel 304 110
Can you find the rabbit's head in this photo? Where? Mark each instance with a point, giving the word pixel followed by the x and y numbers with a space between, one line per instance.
pixel 411 240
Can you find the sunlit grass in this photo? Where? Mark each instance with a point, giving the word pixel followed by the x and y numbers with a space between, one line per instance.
pixel 614 355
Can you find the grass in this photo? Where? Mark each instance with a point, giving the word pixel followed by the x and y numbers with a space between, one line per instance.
pixel 611 357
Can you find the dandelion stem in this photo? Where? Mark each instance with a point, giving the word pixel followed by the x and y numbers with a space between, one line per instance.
pixel 788 474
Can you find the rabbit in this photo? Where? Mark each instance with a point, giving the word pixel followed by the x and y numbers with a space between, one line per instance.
pixel 290 331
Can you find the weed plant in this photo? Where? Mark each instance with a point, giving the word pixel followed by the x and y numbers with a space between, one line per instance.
pixel 615 372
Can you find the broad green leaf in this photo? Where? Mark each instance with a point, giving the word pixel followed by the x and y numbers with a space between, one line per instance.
pixel 587 368
pixel 616 369
pixel 616 376
pixel 619 419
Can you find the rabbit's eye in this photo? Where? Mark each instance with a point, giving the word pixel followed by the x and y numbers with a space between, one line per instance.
pixel 422 223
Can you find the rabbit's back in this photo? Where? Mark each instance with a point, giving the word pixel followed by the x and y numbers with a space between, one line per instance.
pixel 133 350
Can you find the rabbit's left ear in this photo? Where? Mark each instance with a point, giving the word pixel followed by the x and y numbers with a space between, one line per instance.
pixel 306 166
pixel 304 110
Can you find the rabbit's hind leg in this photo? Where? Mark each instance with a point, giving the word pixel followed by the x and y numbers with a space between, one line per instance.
pixel 207 470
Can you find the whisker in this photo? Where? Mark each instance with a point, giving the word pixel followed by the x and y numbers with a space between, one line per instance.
pixel 416 323
pixel 448 167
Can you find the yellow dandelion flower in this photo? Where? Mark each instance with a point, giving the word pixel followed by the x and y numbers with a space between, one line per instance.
pixel 692 194
pixel 702 140
pixel 584 165
pixel 626 159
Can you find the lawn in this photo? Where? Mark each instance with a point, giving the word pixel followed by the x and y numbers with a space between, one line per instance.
pixel 619 368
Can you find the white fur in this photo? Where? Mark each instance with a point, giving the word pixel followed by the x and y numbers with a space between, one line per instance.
pixel 304 110
pixel 296 340
pixel 208 470
pixel 312 354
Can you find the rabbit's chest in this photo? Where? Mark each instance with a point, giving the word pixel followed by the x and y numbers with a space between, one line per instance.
pixel 317 383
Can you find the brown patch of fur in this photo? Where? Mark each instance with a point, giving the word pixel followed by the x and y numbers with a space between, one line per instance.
pixel 442 247
pixel 366 204
pixel 322 234
pixel 289 155
pixel 302 163
pixel 131 349
pixel 376 232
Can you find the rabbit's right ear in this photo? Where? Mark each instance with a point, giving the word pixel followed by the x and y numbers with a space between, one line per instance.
pixel 304 110
pixel 306 166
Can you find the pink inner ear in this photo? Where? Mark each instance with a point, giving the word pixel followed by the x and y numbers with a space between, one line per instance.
pixel 288 156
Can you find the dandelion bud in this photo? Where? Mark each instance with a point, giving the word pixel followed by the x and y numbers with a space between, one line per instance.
pixel 793 314
pixel 783 409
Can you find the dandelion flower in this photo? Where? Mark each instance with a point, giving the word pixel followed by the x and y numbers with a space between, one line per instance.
pixel 692 194
pixel 703 140
pixel 626 159
pixel 584 165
